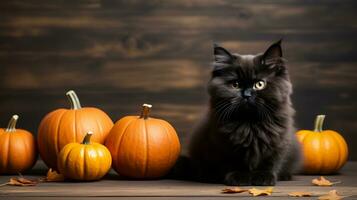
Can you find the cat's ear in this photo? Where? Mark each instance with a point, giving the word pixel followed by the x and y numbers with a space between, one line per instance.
pixel 273 53
pixel 221 55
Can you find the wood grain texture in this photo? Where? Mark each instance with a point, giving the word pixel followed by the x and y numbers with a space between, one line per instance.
pixel 112 186
pixel 120 54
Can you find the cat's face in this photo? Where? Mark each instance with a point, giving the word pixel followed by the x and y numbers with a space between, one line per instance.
pixel 248 86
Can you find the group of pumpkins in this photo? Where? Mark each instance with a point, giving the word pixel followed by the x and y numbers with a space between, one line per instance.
pixel 83 144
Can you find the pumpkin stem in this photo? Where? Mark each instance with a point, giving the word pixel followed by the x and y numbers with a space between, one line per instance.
pixel 73 99
pixel 145 111
pixel 319 121
pixel 86 139
pixel 12 124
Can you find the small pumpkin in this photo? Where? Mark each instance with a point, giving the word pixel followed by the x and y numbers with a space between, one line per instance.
pixel 142 146
pixel 87 161
pixel 324 151
pixel 17 149
pixel 63 126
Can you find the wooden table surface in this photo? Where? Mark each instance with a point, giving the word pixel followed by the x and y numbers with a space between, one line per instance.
pixel 112 187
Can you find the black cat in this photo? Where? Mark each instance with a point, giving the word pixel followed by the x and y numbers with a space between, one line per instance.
pixel 248 136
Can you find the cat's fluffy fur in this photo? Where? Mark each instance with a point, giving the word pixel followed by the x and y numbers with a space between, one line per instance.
pixel 247 137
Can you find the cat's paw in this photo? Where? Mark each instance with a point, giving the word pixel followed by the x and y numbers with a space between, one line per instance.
pixel 263 178
pixel 237 178
pixel 285 177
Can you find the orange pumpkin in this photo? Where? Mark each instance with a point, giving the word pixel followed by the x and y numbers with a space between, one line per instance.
pixel 86 161
pixel 324 152
pixel 17 149
pixel 143 147
pixel 63 126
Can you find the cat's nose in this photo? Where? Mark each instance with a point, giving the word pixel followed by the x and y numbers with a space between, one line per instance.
pixel 247 93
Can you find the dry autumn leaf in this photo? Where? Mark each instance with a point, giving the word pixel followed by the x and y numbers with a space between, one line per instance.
pixel 53 176
pixel 300 194
pixel 261 192
pixel 332 195
pixel 234 190
pixel 21 181
pixel 322 182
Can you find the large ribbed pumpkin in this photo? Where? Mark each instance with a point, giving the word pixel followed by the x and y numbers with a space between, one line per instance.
pixel 324 151
pixel 86 161
pixel 63 126
pixel 17 149
pixel 143 147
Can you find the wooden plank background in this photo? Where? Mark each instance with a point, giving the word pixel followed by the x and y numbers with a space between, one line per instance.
pixel 120 54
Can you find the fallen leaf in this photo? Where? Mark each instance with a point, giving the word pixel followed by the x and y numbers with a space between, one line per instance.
pixel 300 194
pixel 234 190
pixel 53 176
pixel 332 195
pixel 261 192
pixel 21 181
pixel 323 182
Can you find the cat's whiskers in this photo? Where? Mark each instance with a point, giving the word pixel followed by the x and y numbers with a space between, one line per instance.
pixel 234 105
pixel 265 110
pixel 269 107
pixel 223 113
pixel 221 107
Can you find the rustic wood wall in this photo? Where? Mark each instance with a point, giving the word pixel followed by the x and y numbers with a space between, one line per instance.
pixel 120 54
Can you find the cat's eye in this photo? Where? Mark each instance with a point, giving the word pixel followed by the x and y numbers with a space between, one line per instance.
pixel 259 85
pixel 235 85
